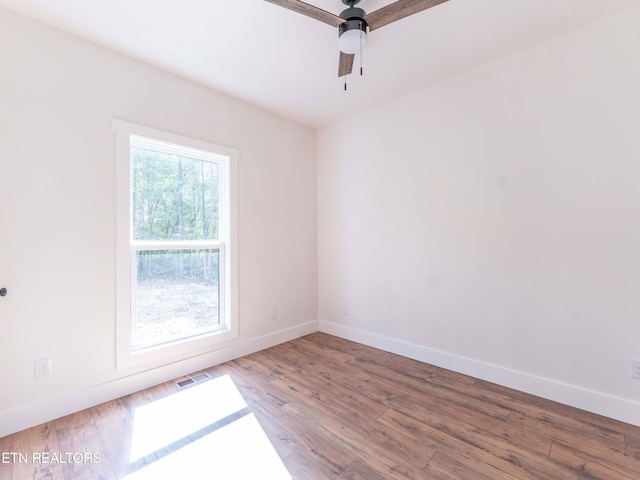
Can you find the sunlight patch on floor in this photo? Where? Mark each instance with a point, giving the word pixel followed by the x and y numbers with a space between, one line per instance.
pixel 169 420
pixel 240 450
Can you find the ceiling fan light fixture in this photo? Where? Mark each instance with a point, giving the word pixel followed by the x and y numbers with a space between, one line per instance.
pixel 352 36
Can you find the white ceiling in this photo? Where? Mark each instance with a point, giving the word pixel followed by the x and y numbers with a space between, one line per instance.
pixel 287 63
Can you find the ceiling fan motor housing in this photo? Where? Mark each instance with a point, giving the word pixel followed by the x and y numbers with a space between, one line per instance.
pixel 353 13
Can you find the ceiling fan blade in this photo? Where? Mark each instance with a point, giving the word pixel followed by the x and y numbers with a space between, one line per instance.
pixel 345 65
pixel 398 10
pixel 309 11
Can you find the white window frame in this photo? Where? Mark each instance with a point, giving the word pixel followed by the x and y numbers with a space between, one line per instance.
pixel 126 248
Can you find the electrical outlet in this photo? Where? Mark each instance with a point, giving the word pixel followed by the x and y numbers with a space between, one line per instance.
pixel 43 367
pixel 273 313
pixel 635 369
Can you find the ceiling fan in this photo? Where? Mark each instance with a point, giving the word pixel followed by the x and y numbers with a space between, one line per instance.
pixel 354 22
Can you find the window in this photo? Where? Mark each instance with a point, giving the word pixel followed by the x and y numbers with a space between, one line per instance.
pixel 176 255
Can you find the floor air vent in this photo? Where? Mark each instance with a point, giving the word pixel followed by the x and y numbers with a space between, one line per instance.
pixel 192 380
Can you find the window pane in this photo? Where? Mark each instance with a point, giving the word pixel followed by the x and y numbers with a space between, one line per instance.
pixel 174 197
pixel 177 294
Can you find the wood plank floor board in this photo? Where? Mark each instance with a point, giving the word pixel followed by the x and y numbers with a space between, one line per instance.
pixel 389 461
pixel 374 356
pixel 78 434
pixel 444 394
pixel 139 399
pixel 442 467
pixel 434 395
pixel 318 443
pixel 632 442
pixel 372 387
pixel 328 377
pixel 390 366
pixel 335 409
pixel 339 373
pixel 38 440
pixel 303 466
pixel 544 411
pixel 359 471
pixel 537 465
pixel 292 439
pixel 264 391
pixel 489 426
pixel 458 449
pixel 115 424
pixel 303 363
pixel 362 433
pixel 598 467
pixel 563 415
pixel 314 443
pixel 324 391
pixel 593 447
pixel 547 412
pixel 322 353
pixel 8 451
pixel 258 367
pixel 284 442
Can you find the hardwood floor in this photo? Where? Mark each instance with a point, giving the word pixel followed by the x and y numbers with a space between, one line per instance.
pixel 330 409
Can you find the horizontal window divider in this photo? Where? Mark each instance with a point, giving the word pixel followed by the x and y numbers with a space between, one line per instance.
pixel 176 245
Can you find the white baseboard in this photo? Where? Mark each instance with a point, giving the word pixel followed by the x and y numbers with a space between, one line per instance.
pixel 47 409
pixel 596 402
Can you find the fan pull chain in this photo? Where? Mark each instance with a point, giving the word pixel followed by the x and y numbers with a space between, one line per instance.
pixel 361 53
pixel 345 83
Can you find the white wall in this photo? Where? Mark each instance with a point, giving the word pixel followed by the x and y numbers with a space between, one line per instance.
pixel 58 96
pixel 491 223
